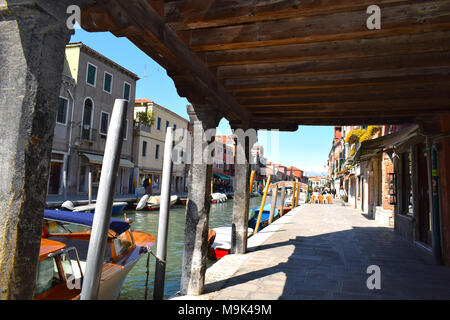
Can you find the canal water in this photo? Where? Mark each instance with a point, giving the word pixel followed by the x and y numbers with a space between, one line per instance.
pixel 133 287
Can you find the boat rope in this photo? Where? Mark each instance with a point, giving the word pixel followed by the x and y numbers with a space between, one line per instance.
pixel 160 260
pixel 150 252
pixel 147 272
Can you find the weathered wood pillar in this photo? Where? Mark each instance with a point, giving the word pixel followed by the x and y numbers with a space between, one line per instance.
pixel 273 204
pixel 244 141
pixel 202 118
pixel 283 197
pixel 33 35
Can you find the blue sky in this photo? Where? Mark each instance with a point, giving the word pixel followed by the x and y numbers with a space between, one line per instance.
pixel 306 149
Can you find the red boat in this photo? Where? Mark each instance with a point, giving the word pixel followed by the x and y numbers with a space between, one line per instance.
pixel 222 242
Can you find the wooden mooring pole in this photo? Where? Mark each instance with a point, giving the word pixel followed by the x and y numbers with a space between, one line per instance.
pixel 261 209
pixel 273 205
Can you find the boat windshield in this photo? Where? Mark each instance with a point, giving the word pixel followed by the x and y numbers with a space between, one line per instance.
pixel 47 276
pixel 123 243
pixel 60 227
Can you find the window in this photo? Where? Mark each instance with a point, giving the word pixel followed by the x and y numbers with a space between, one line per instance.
pixel 144 148
pixel 167 125
pixel 157 152
pixel 87 119
pixel 104 123
pixel 174 127
pixel 61 116
pixel 91 74
pixel 107 82
pixel 158 123
pixel 126 91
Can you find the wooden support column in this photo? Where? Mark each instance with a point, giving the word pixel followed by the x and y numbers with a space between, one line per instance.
pixel 273 204
pixel 283 196
pixel 244 142
pixel 202 118
pixel 33 35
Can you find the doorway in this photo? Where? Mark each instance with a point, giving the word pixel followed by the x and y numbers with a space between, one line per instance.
pixel 55 178
pixel 423 211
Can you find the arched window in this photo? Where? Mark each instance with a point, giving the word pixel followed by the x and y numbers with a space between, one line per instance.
pixel 88 113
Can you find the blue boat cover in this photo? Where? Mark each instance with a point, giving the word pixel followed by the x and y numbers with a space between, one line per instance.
pixel 266 210
pixel 84 219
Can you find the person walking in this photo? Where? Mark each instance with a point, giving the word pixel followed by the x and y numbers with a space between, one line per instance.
pixel 146 184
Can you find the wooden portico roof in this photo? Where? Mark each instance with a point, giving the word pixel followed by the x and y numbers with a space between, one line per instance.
pixel 283 63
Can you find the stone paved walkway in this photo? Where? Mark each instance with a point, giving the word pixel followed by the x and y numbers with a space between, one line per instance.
pixel 323 252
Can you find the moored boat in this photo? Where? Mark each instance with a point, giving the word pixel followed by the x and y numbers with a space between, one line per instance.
pixel 63 255
pixel 222 243
pixel 264 217
pixel 153 203
pixel 117 208
pixel 218 197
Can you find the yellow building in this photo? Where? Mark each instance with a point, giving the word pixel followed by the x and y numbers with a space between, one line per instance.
pixel 148 146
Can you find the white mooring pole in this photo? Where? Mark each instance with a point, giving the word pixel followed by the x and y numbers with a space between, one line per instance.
pixel 105 198
pixel 163 224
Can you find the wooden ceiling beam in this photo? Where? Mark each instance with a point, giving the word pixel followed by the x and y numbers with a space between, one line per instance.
pixel 364 89
pixel 160 42
pixel 379 63
pixel 332 121
pixel 196 14
pixel 415 75
pixel 440 91
pixel 396 20
pixel 387 105
pixel 337 49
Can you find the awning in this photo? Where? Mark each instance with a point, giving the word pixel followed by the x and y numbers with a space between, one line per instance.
pixel 371 148
pixel 221 176
pixel 97 159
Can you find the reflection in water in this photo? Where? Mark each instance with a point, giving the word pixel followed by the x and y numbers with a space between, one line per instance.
pixel 134 285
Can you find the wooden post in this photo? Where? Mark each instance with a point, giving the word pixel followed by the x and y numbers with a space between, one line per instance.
pixel 243 189
pixel 298 193
pixel 263 202
pixel 252 178
pixel 273 204
pixel 195 252
pixel 150 185
pixel 90 185
pixel 293 194
pixel 283 197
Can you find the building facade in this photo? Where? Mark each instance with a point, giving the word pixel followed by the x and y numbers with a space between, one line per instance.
pixel 149 144
pixel 90 85
pixel 389 177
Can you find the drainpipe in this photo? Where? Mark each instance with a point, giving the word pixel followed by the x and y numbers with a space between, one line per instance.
pixel 67 156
